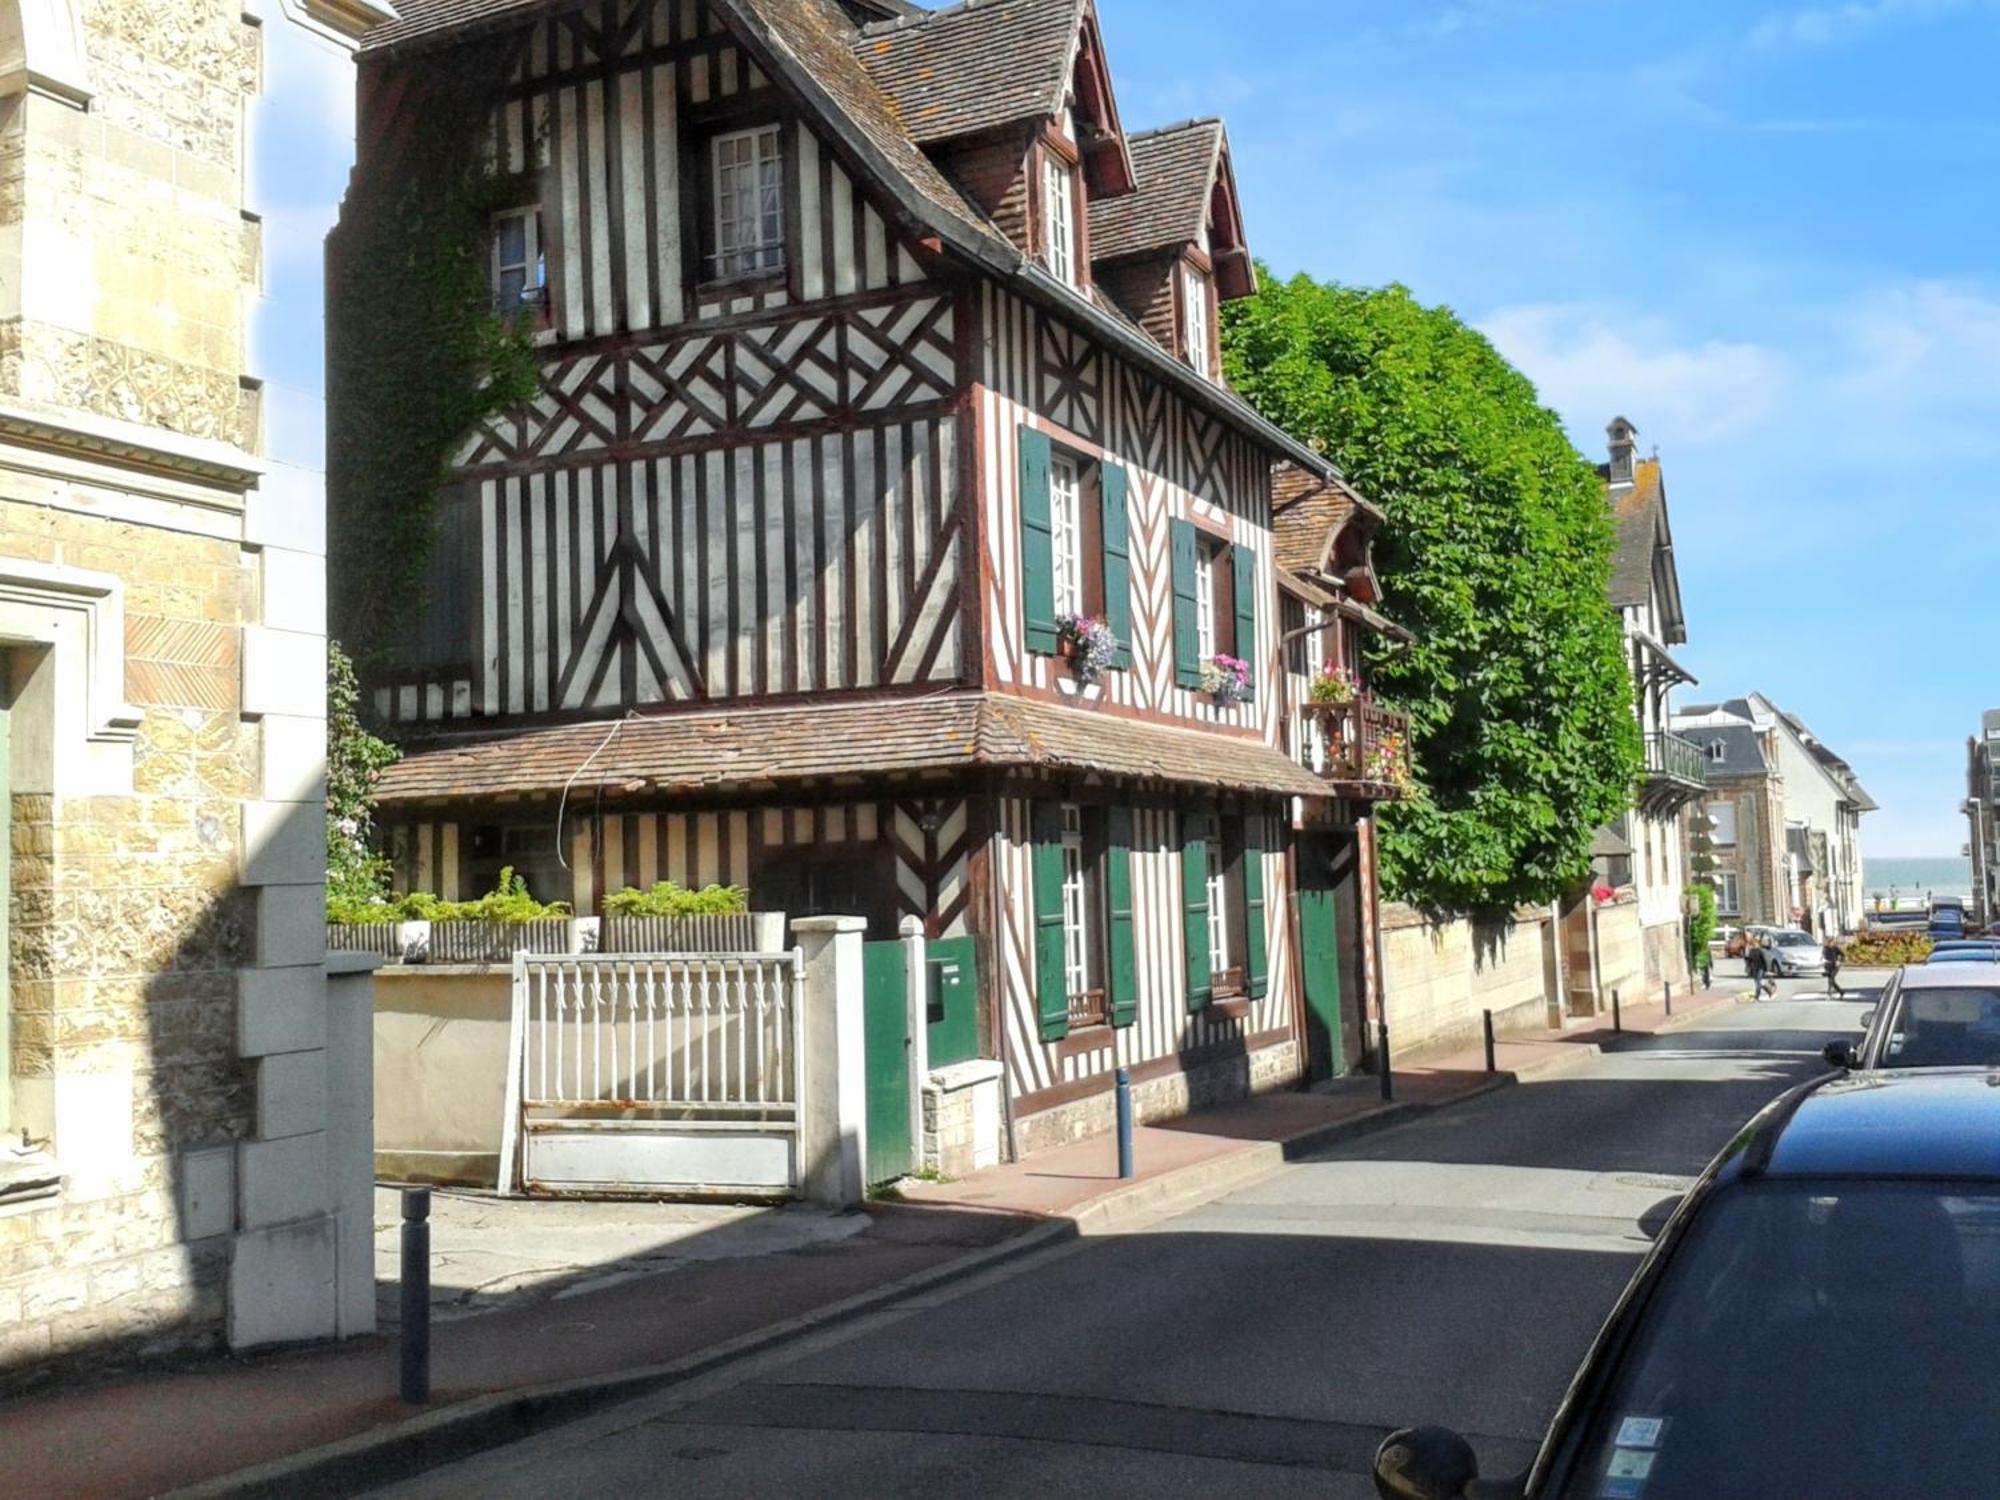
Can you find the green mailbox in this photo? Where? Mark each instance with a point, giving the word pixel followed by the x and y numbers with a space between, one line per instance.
pixel 951 1001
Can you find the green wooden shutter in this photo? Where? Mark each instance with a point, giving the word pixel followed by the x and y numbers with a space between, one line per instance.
pixel 1244 561
pixel 1051 980
pixel 1117 561
pixel 1255 961
pixel 1194 903
pixel 1187 633
pixel 1038 562
pixel 1124 951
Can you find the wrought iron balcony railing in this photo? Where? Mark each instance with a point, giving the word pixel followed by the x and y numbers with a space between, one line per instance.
pixel 1361 747
pixel 1673 758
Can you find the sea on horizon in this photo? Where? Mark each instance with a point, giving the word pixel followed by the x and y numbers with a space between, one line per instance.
pixel 1937 876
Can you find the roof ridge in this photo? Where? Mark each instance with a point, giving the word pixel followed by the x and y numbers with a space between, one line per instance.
pixel 1178 125
pixel 922 18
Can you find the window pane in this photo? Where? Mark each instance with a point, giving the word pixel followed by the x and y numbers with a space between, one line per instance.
pixel 513 240
pixel 749 202
pixel 1066 535
pixel 513 288
pixel 1204 600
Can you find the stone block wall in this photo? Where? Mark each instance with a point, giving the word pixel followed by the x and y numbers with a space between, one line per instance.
pixel 1439 976
pixel 1163 1096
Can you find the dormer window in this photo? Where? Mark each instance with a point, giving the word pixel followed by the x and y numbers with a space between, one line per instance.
pixel 1197 338
pixel 1059 208
pixel 749 183
pixel 520 270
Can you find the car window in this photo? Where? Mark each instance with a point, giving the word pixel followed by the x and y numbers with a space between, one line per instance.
pixel 1791 937
pixel 1812 1339
pixel 1944 1028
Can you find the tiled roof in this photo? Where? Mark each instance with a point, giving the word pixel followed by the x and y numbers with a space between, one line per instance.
pixel 1636 514
pixel 1306 512
pixel 974 66
pixel 1742 754
pixel 750 749
pixel 416 18
pixel 1176 171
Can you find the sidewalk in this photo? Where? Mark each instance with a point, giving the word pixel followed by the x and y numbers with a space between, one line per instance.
pixel 548 1310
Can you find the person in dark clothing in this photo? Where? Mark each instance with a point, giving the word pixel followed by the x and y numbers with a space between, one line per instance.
pixel 1754 963
pixel 1833 956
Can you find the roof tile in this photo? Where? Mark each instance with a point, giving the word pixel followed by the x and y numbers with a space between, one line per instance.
pixel 974 66
pixel 1176 170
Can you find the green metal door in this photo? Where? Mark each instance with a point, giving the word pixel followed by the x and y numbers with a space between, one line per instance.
pixel 1319 959
pixel 885 1011
pixel 952 1004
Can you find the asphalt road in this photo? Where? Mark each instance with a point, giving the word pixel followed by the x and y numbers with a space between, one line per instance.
pixel 1451 1269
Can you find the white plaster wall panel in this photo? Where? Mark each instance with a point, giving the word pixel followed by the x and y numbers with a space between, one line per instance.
pixel 208 1192
pixel 280 1010
pixel 294 591
pixel 291 1095
pixel 287 510
pixel 284 672
pixel 284 843
pixel 281 1285
pixel 280 1181
pixel 291 925
pixel 293 748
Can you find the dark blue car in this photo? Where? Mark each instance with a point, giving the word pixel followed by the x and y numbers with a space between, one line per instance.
pixel 1817 1319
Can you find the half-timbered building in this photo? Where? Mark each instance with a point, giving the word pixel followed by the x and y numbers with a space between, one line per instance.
pixel 884 537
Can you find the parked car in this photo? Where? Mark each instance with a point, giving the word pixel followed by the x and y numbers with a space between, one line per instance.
pixel 1794 952
pixel 1964 950
pixel 1814 1320
pixel 1929 1016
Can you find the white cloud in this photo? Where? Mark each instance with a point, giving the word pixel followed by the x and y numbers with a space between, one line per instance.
pixel 1591 363
pixel 1829 25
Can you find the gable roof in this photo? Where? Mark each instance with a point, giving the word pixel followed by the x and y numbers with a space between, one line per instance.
pixel 973 66
pixel 1176 167
pixel 808 47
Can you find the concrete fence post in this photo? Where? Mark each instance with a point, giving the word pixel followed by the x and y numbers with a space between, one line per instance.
pixel 833 1116
pixel 916 988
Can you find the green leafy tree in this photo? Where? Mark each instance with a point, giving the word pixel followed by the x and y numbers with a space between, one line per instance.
pixel 1701 920
pixel 356 873
pixel 1497 555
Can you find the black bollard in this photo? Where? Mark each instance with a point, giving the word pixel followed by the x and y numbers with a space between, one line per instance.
pixel 415 1335
pixel 1382 1057
pixel 1125 1166
pixel 1492 1065
pixel 1617 1017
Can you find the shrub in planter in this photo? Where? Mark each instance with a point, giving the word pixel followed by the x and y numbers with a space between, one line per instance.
pixel 1090 644
pixel 668 899
pixel 1334 685
pixel 1226 679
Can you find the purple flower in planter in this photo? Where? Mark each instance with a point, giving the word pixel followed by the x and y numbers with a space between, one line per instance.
pixel 1094 643
pixel 1226 679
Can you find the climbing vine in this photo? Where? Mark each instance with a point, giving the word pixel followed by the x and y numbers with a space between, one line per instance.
pixel 356 872
pixel 1497 555
pixel 417 354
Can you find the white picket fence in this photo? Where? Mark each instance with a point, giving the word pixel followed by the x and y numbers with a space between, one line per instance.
pixel 654 1072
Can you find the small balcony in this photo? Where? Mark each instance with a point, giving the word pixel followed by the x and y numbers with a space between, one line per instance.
pixel 1362 749
pixel 1676 772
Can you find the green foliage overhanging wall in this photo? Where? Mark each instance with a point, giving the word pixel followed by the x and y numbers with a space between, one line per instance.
pixel 355 759
pixel 416 355
pixel 1497 555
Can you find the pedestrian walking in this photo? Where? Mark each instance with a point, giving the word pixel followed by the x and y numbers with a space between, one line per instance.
pixel 1833 955
pixel 1754 964
pixel 1707 970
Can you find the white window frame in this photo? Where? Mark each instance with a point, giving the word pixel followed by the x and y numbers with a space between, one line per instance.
pixel 1728 894
pixel 1059 212
pixel 1205 558
pixel 533 265
pixel 1077 952
pixel 1719 815
pixel 1218 909
pixel 1194 292
pixel 1066 532
pixel 752 245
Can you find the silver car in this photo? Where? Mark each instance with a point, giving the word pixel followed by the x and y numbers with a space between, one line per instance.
pixel 1793 952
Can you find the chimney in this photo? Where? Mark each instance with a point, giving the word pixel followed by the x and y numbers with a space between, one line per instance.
pixel 1624 443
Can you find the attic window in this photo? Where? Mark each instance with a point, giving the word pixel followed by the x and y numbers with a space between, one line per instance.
pixel 1718 750
pixel 749 202
pixel 1196 336
pixel 1059 207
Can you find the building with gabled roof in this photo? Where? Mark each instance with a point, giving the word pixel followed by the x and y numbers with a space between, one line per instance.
pixel 1645 590
pixel 851 452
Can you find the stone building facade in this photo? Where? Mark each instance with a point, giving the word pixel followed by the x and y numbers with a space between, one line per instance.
pixel 172 1173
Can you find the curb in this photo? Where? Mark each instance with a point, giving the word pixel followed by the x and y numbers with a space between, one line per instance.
pixel 403 1450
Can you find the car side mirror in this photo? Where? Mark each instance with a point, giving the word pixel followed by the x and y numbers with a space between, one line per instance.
pixel 1839 1054
pixel 1425 1463
pixel 1867 1020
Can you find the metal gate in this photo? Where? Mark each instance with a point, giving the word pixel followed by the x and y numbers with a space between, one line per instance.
pixel 637 1073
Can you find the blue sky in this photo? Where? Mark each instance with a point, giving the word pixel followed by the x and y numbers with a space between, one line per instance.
pixel 1764 233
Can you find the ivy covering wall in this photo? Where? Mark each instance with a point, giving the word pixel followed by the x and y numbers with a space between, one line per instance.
pixel 1497 554
pixel 417 355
